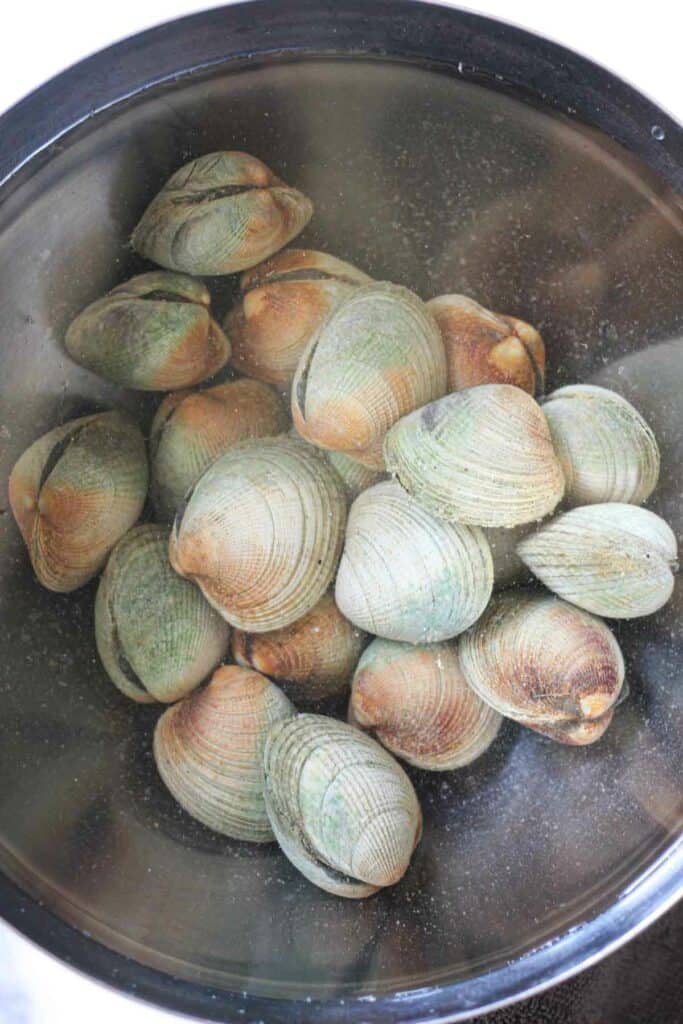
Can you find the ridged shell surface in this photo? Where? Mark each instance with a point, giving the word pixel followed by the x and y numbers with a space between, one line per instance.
pixel 220 213
pixel 262 532
pixel 416 702
pixel 208 750
pixel 75 492
pixel 615 560
pixel 157 637
pixel 314 658
pixel 405 575
pixel 378 356
pixel 346 810
pixel 545 663
pixel 355 476
pixel 284 301
pixel 190 431
pixel 481 456
pixel 606 449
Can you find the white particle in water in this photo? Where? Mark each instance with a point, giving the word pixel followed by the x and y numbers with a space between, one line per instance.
pixel 657 132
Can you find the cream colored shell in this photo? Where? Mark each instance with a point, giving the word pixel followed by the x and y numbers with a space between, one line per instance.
pixel 615 560
pixel 343 811
pixel 481 456
pixel 606 449
pixel 405 575
pixel 208 750
pixel 416 702
pixel 262 532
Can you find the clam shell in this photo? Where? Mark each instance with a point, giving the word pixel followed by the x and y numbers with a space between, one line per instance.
pixel 208 750
pixel 606 449
pixel 75 492
pixel 416 702
pixel 546 664
pixel 262 532
pixel 344 812
pixel 315 656
pixel 220 213
pixel 615 560
pixel 405 575
pixel 481 456
pixel 190 431
pixel 355 476
pixel 152 333
pixel 486 348
pixel 156 635
pixel 378 355
pixel 284 301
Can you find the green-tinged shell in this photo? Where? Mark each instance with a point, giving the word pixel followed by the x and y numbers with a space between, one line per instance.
pixel 220 213
pixel 378 356
pixel 343 811
pixel 285 300
pixel 487 348
pixel 606 449
pixel 355 476
pixel 152 333
pixel 613 559
pixel 481 456
pixel 75 492
pixel 416 702
pixel 406 575
pixel 156 635
pixel 546 664
pixel 208 750
pixel 314 658
pixel 190 431
pixel 262 532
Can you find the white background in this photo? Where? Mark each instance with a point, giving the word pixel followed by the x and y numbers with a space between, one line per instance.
pixel 40 38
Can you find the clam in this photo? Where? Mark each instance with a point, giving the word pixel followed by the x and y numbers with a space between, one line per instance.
pixel 314 657
pixel 615 560
pixel 75 492
pixel 284 300
pixel 262 532
pixel 208 750
pixel 220 213
pixel 376 357
pixel 487 348
pixel 152 333
pixel 481 456
pixel 343 811
pixel 405 575
pixel 546 664
pixel 191 429
pixel 156 635
pixel 606 449
pixel 416 702
pixel 355 476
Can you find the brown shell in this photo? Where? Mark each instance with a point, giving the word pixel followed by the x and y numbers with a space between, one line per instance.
pixel 546 664
pixel 285 299
pixel 487 348
pixel 416 702
pixel 315 656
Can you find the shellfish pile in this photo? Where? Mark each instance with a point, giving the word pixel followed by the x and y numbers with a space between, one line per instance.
pixel 374 502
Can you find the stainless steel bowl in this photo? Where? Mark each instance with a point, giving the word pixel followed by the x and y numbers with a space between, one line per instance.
pixel 446 152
